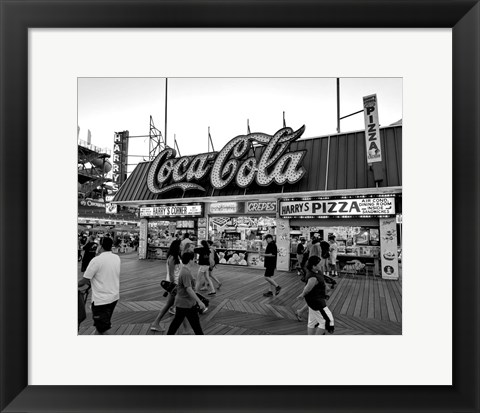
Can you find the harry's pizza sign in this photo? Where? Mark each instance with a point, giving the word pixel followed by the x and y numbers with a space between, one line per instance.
pixel 337 207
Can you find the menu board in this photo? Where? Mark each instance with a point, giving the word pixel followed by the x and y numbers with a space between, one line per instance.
pixel 388 249
pixel 283 244
pixel 142 245
pixel 202 233
pixel 185 224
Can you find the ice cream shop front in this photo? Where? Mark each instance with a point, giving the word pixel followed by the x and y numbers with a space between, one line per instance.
pixel 280 184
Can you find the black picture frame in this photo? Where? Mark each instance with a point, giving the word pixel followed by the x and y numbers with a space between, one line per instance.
pixel 463 16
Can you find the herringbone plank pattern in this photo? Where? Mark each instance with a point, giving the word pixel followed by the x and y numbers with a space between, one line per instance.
pixel 361 306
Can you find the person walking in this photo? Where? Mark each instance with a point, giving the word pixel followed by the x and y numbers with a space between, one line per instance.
pixel 315 250
pixel 214 260
pixel 79 248
pixel 300 251
pixel 173 271
pixel 185 244
pixel 270 263
pixel 186 300
pixel 203 269
pixel 103 274
pixel 333 255
pixel 90 250
pixel 325 256
pixel 320 318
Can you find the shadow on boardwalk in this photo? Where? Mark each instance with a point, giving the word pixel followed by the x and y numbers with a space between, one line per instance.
pixel 361 306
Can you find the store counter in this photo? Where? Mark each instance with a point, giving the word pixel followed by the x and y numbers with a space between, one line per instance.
pixel 157 252
pixel 343 258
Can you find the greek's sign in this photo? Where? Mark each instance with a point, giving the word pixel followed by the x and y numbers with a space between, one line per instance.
pixel 171 211
pixel 372 129
pixel 260 207
pixel 224 208
pixel 91 203
pixel 236 161
pixel 337 208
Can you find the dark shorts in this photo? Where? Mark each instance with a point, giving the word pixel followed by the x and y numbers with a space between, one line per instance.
pixel 102 316
pixel 269 271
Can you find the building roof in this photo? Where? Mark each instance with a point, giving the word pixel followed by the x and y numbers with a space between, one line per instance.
pixel 333 162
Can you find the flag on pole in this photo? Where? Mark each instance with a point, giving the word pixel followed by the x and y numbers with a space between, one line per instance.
pixel 210 142
pixel 89 137
pixel 175 144
pixel 284 124
pixel 248 127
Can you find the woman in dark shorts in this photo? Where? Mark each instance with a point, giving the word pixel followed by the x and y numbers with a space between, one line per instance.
pixel 320 318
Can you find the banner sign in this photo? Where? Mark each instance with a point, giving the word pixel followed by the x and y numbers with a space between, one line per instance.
pixel 235 162
pixel 372 129
pixel 225 208
pixel 90 204
pixel 120 155
pixel 172 210
pixel 260 207
pixel 388 249
pixel 342 207
pixel 110 208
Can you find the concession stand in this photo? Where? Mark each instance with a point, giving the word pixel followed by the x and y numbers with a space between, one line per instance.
pixel 281 184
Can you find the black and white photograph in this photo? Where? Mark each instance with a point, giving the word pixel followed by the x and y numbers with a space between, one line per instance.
pixel 239 206
pixel 252 172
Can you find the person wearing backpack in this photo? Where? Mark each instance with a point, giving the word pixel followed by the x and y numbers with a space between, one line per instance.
pixel 204 265
pixel 214 260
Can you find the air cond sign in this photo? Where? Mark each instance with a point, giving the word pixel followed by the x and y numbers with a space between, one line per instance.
pixel 337 208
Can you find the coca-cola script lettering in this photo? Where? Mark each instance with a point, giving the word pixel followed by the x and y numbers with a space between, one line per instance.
pixel 234 161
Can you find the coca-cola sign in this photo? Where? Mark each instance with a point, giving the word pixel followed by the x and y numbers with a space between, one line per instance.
pixel 234 161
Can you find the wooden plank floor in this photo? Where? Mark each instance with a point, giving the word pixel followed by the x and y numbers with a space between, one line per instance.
pixel 361 306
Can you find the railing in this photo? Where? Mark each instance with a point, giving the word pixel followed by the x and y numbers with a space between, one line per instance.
pixel 94 148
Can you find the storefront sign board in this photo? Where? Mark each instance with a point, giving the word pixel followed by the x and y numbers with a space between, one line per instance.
pixel 234 163
pixel 224 208
pixel 260 207
pixel 388 248
pixel 111 208
pixel 120 155
pixel 337 208
pixel 372 129
pixel 172 211
pixel 90 204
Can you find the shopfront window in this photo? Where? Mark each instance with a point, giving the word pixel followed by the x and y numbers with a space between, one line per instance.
pixel 354 241
pixel 240 240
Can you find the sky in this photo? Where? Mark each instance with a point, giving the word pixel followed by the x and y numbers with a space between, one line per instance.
pixel 108 105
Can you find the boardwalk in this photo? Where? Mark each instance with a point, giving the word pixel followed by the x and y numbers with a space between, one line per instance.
pixel 360 306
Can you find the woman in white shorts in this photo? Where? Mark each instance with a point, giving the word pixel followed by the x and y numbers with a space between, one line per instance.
pixel 173 270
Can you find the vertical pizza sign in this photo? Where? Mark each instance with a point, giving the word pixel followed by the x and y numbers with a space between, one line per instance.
pixel 372 129
pixel 388 248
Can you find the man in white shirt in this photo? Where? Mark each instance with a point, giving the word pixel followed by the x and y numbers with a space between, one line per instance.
pixel 103 274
